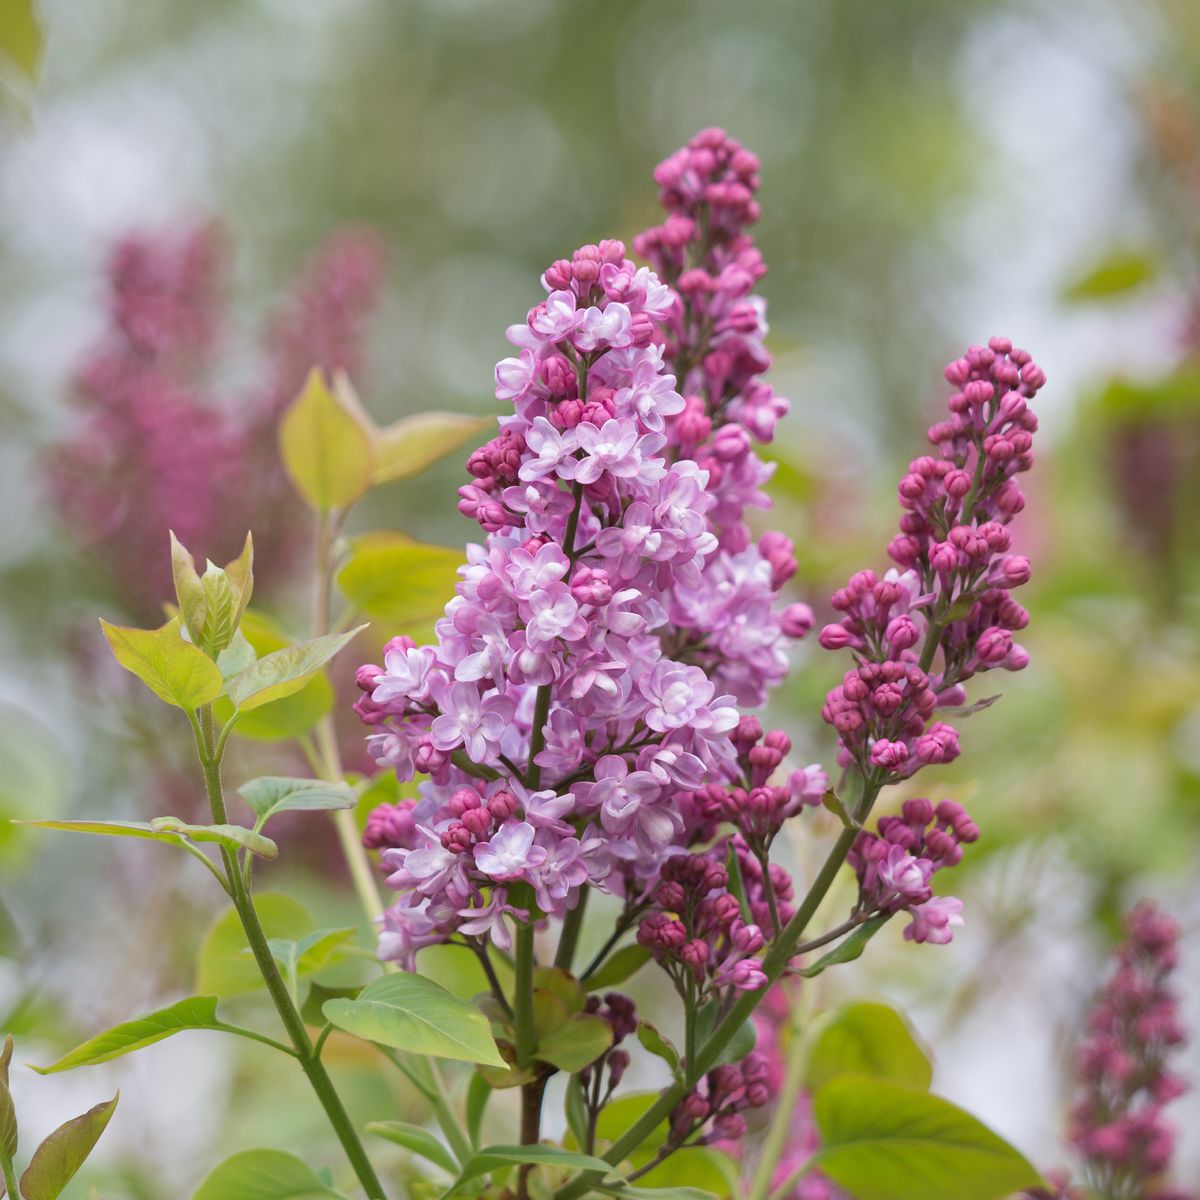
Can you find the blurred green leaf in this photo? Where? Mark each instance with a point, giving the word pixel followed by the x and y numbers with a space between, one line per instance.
pixel 325 444
pixel 174 670
pixel 56 1160
pixel 1173 396
pixel 391 578
pixel 409 1012
pixel 884 1140
pixel 849 948
pixel 21 37
pixel 621 965
pixel 739 1045
pixel 409 445
pixel 284 672
pixel 224 965
pixel 1116 274
pixel 581 1040
pixel 420 1141
pixel 298 957
pixel 865 1038
pixel 271 794
pixel 8 1112
pixel 495 1158
pixel 264 1175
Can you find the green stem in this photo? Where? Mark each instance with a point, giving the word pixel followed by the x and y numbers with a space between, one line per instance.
pixel 781 1124
pixel 435 1092
pixel 523 993
pixel 310 1064
pixel 568 941
pixel 774 964
pixel 250 1035
pixel 10 1176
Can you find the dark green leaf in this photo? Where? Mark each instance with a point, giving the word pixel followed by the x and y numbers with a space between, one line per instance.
pixel 479 1092
pixel 739 1045
pixel 621 965
pixel 494 1158
pixel 883 1140
pixel 56 1160
pixel 409 1012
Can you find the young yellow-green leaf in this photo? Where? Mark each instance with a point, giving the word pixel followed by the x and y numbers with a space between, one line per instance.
pixel 326 445
pixel 850 949
pixel 285 671
pixel 409 1012
pixel 864 1038
pixel 189 591
pixel 271 794
pixel 617 968
pixel 240 574
pixel 883 1140
pixel 411 444
pixel 56 1160
pixel 196 1012
pixel 130 829
pixel 579 1041
pixel 393 579
pixel 174 670
pixel 232 837
pixel 281 719
pixel 224 965
pixel 264 1175
pixel 420 1141
pixel 21 37
pixel 495 1158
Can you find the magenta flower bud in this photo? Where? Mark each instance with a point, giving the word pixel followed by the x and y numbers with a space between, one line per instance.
pixel 834 637
pixel 366 676
pixel 694 955
pixel 957 483
pixel 591 586
pixel 993 645
pixel 943 557
pixel 478 821
pixel 889 755
pixel 457 839
pixel 502 805
pixel 902 633
pixel 778 740
pixel 618 1064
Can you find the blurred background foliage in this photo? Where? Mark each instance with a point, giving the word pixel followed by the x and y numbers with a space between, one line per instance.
pixel 934 172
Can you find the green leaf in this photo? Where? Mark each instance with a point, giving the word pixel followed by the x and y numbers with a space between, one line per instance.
pixel 56 1160
pixel 174 670
pixel 618 967
pixel 576 1110
pixel 409 1012
pixel 21 38
pixel 661 1047
pixel 281 719
pixel 196 1012
pixel 495 1158
pixel 864 1038
pixel 318 993
pixel 849 949
pixel 232 837
pixel 189 591
pixel 617 1116
pixel 580 1041
pixel 833 802
pixel 479 1092
pixel 8 1111
pixel 739 1045
pixel 326 444
pixel 298 957
pixel 225 966
pixel 394 579
pixel 271 794
pixel 409 445
pixel 265 1175
pixel 418 1140
pixel 170 830
pixel 285 671
pixel 1116 274
pixel 657 1193
pixel 560 983
pixel 883 1140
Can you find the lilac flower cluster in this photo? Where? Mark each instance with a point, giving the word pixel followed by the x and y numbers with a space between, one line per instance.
pixel 583 688
pixel 726 1094
pixel 956 571
pixel 1117 1123
pixel 158 446
pixel 895 866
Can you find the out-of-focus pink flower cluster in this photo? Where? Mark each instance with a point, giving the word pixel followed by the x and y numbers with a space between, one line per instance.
pixel 158 445
pixel 951 593
pixel 585 681
pixel 1117 1124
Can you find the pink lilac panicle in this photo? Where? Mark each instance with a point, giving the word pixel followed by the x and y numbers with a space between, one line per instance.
pixel 156 447
pixel 618 610
pixel 1117 1125
pixel 946 612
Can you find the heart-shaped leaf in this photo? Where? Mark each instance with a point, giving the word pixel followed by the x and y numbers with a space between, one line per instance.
pixel 420 1141
pixel 271 794
pixel 883 1140
pixel 285 671
pixel 56 1160
pixel 174 670
pixel 196 1012
pixel 862 1038
pixel 265 1175
pixel 408 1012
